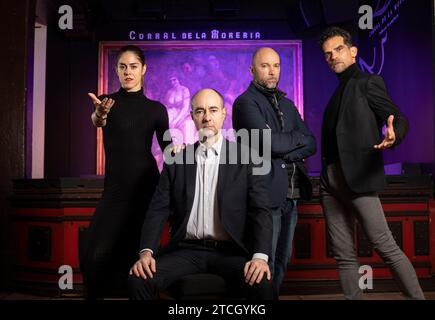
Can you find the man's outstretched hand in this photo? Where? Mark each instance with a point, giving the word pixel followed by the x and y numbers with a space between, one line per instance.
pixel 390 136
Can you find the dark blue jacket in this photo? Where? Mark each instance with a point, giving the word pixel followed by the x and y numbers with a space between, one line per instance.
pixel 292 144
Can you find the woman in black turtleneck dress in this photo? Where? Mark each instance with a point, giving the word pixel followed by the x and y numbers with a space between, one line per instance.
pixel 129 120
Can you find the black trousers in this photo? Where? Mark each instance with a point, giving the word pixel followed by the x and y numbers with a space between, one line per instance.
pixel 191 259
pixel 110 250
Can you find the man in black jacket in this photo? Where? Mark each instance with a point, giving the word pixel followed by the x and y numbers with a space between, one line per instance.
pixel 263 106
pixel 353 168
pixel 220 220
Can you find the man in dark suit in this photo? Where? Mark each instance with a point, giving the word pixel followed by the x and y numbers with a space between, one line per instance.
pixel 353 168
pixel 220 220
pixel 263 107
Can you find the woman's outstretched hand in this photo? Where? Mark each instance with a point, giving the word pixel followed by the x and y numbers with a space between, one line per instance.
pixel 102 108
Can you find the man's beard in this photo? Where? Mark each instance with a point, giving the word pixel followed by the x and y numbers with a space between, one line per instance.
pixel 264 84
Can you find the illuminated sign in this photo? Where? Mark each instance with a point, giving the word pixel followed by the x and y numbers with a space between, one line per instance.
pixel 211 35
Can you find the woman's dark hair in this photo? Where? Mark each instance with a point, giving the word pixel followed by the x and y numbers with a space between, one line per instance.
pixel 131 48
pixel 334 32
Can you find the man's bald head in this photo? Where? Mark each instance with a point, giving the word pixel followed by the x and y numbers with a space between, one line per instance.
pixel 266 67
pixel 206 92
pixel 260 53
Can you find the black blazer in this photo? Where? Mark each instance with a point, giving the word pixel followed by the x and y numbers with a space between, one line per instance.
pixel 252 110
pixel 242 201
pixel 365 107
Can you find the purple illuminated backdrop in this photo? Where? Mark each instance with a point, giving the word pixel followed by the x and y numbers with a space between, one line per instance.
pixel 176 70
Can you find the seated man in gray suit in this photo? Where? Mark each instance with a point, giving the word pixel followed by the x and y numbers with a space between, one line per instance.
pixel 219 209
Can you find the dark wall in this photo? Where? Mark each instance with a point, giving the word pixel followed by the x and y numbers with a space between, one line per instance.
pixel 407 71
pixel 16 32
pixel 319 83
pixel 72 67
pixel 70 138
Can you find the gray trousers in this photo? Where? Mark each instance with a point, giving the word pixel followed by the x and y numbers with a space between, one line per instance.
pixel 341 207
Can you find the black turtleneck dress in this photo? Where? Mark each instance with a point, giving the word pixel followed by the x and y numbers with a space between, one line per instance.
pixel 131 175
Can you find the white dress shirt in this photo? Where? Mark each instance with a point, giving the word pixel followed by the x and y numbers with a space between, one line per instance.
pixel 204 222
